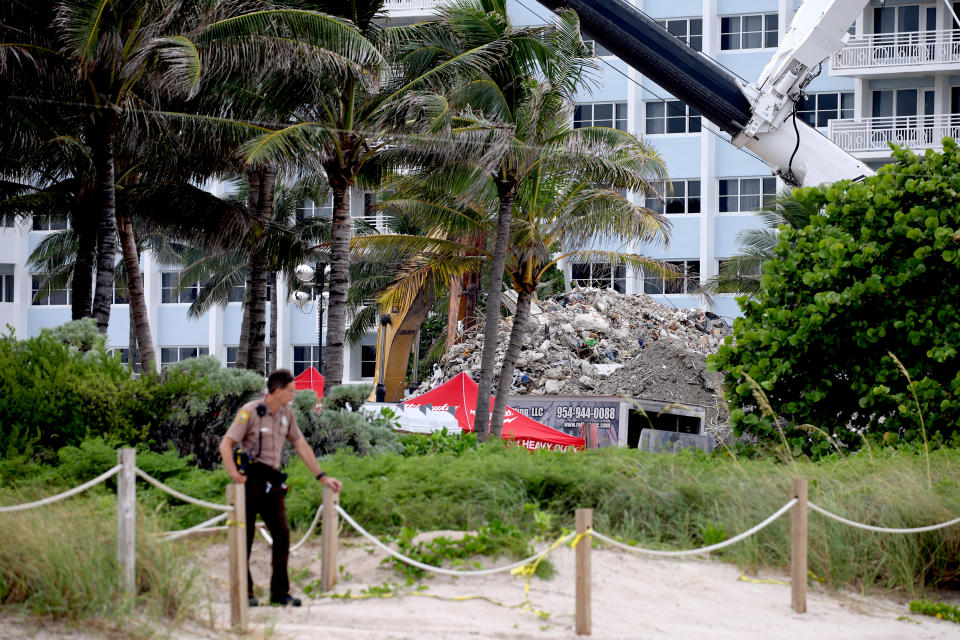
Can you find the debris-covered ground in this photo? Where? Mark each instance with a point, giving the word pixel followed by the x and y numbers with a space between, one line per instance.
pixel 602 343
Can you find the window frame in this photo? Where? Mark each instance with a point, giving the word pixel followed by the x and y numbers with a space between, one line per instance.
pixel 314 355
pixel 202 350
pixel 764 196
pixel 663 288
pixel 615 276
pixel 8 283
pixel 689 37
pixel 615 118
pixel 368 364
pixel 692 120
pixel 652 202
pixel 45 301
pixel 765 32
pixel 817 110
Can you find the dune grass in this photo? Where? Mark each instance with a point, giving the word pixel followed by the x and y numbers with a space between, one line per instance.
pixel 664 501
pixel 59 561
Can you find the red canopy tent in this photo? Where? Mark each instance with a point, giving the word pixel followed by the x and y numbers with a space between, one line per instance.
pixel 310 379
pixel 461 392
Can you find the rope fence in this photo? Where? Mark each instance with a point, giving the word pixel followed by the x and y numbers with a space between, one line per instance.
pixel 66 494
pixel 234 512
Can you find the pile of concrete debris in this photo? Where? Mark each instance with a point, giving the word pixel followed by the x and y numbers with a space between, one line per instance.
pixel 601 343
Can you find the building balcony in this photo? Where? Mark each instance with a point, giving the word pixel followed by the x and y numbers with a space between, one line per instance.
pixel 906 52
pixel 867 138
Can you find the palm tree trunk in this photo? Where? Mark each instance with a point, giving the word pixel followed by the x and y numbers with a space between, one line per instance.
pixel 257 278
pixel 138 302
pixel 517 336
pixel 492 316
pixel 339 280
pixel 241 362
pixel 86 229
pixel 107 248
pixel 272 364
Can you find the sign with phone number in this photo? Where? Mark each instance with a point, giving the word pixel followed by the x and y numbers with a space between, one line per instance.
pixel 585 418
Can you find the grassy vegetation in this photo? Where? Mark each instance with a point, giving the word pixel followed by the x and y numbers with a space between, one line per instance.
pixel 59 561
pixel 666 501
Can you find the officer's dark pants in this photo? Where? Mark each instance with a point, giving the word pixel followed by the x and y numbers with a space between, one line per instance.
pixel 273 512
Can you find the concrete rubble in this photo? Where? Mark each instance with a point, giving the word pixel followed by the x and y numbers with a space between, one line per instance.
pixel 596 342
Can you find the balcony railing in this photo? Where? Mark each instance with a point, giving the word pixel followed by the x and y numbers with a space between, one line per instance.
pixel 893 49
pixel 915 132
pixel 396 5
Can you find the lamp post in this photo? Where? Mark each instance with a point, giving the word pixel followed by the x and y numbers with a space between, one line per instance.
pixel 305 274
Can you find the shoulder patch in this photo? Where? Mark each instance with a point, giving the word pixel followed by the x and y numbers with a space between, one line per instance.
pixel 243 416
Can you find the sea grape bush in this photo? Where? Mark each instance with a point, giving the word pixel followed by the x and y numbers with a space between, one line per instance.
pixel 877 274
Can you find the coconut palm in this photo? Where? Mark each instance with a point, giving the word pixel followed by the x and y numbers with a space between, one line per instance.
pixel 559 211
pixel 351 127
pixel 525 93
pixel 741 273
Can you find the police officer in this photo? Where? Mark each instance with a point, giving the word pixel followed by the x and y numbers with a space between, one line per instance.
pixel 260 428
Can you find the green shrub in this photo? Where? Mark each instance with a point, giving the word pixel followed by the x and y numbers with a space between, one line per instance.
pixel 438 442
pixel 334 429
pixel 55 392
pixel 190 405
pixel 874 279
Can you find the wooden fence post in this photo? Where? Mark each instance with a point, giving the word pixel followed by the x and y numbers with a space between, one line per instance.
pixel 127 519
pixel 584 521
pixel 328 544
pixel 237 545
pixel 798 547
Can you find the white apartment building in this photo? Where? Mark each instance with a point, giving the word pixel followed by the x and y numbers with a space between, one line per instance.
pixel 897 79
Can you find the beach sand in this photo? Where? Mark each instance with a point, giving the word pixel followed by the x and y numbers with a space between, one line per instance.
pixel 634 597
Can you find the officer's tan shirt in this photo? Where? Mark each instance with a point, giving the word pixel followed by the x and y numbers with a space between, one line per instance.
pixel 276 427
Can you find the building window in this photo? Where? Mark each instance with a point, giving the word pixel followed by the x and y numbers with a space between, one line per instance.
pixel 818 109
pixel 597 48
pixel 368 360
pixel 7 220
pixel 305 357
pixel 671 116
pixel 747 269
pixel 124 353
pixel 601 114
pixel 683 198
pixel 169 284
pixel 310 209
pixel 6 283
pixel 231 362
pixel 757 31
pixel 690 30
pixel 49 223
pixel 746 194
pixel 236 294
pixel 172 355
pixel 687 280
pixel 49 295
pixel 599 275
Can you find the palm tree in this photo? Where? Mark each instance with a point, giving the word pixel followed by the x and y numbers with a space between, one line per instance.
pixel 741 273
pixel 352 127
pixel 559 206
pixel 509 95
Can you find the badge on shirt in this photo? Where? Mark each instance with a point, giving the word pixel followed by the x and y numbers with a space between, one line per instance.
pixel 243 416
pixel 283 420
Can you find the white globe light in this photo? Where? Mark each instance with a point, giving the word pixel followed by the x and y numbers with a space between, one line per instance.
pixel 301 298
pixel 304 273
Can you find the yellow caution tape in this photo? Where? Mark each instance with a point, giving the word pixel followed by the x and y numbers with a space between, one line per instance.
pixel 234 523
pixel 578 537
pixel 527 571
pixel 744 578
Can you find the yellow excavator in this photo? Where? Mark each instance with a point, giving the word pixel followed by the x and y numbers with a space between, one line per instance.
pixel 398 330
